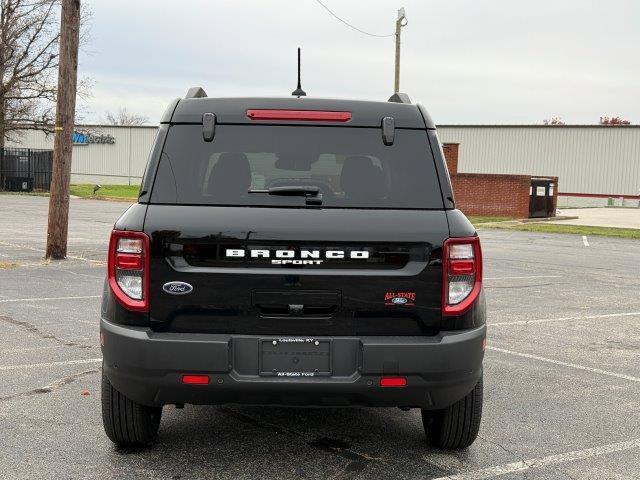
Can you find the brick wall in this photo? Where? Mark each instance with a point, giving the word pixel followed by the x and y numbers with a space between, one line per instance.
pixel 492 195
pixel 451 156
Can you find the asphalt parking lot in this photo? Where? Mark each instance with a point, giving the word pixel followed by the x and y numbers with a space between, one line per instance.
pixel 562 374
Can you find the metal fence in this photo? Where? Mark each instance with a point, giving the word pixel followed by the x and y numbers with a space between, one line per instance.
pixel 25 169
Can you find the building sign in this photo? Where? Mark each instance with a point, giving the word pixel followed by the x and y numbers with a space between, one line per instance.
pixel 87 138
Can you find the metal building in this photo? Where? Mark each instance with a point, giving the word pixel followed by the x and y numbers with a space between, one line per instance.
pixel 592 162
pixel 101 154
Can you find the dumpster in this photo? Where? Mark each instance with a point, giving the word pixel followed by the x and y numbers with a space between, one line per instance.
pixel 541 197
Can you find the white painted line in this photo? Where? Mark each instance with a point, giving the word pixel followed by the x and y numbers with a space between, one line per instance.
pixel 566 364
pixel 46 299
pixel 25 247
pixel 585 241
pixel 564 319
pixel 29 349
pixel 80 274
pixel 33 249
pixel 541 462
pixel 523 277
pixel 50 364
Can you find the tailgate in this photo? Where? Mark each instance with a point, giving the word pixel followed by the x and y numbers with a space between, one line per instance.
pixel 296 271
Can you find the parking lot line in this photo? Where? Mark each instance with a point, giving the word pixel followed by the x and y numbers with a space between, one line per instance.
pixel 566 364
pixel 33 249
pixel 563 319
pixel 30 349
pixel 498 470
pixel 49 364
pixel 523 277
pixel 45 299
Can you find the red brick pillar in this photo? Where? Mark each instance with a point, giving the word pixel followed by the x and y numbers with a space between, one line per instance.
pixel 451 156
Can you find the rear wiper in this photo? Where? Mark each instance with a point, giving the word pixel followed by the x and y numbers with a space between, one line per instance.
pixel 311 193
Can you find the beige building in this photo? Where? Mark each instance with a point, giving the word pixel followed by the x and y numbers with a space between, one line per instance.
pixel 592 162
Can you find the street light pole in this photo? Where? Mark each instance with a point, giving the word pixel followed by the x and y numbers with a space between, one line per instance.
pixel 400 22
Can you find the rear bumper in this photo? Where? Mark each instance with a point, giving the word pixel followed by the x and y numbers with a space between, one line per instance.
pixel 147 367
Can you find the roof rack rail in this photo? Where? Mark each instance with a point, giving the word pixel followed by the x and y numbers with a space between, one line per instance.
pixel 196 92
pixel 399 97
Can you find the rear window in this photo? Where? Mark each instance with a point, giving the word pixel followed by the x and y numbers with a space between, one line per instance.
pixel 351 166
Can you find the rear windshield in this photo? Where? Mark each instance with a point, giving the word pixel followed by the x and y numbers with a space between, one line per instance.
pixel 351 167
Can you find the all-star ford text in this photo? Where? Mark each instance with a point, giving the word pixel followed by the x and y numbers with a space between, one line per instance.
pixel 294 251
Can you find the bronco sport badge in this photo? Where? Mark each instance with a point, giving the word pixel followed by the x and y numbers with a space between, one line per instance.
pixel 288 257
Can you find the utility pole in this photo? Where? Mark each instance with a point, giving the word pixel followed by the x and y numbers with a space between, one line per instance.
pixel 400 22
pixel 65 115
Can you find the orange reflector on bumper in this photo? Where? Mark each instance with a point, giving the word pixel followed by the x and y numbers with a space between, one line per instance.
pixel 393 382
pixel 195 379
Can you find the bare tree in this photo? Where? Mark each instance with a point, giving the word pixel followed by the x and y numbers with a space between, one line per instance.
pixel 28 62
pixel 29 35
pixel 125 118
pixel 614 121
pixel 553 121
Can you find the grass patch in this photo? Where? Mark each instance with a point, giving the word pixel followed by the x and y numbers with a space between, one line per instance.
pixel 85 190
pixel 571 229
pixel 8 265
pixel 478 219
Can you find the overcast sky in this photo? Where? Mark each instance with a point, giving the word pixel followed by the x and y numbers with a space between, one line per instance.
pixel 467 61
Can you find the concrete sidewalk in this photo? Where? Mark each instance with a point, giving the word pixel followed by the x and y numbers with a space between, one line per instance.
pixel 602 217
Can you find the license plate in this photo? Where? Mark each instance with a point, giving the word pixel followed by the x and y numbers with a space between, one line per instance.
pixel 295 357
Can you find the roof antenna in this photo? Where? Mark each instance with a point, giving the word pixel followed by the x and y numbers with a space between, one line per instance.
pixel 298 92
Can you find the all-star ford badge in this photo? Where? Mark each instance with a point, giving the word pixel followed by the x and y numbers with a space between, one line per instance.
pixel 326 260
pixel 177 288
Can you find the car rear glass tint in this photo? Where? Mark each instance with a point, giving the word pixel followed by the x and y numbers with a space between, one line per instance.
pixel 351 167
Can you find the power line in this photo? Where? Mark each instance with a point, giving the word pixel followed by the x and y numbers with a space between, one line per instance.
pixel 352 26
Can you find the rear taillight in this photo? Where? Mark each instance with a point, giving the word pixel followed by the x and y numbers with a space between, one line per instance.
pixel 461 274
pixel 128 269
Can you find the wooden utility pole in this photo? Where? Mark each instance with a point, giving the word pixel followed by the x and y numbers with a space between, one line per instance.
pixel 400 22
pixel 65 116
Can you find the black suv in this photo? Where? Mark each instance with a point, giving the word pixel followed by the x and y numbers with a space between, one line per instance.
pixel 294 251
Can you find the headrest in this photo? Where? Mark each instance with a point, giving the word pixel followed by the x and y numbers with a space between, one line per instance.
pixel 361 179
pixel 230 176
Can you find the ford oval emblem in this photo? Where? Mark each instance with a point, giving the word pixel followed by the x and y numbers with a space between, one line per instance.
pixel 177 288
pixel 399 300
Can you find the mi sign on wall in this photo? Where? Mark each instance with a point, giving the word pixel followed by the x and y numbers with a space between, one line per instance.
pixel 92 138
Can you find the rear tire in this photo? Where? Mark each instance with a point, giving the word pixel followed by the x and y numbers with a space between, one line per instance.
pixel 455 427
pixel 127 423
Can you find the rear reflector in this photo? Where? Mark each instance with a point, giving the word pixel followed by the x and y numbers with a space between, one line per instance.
pixel 301 115
pixel 128 261
pixel 393 382
pixel 195 379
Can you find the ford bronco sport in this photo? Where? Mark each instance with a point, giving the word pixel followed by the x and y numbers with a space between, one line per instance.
pixel 294 251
